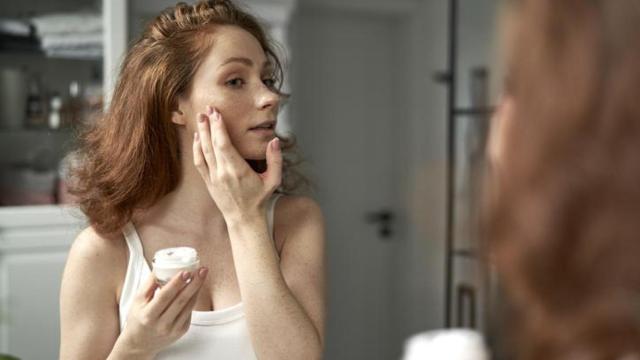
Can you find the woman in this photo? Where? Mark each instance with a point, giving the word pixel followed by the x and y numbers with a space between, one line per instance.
pixel 187 156
pixel 564 204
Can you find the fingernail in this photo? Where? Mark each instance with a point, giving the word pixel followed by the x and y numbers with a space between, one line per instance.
pixel 209 109
pixel 196 137
pixel 275 145
pixel 216 115
pixel 201 117
pixel 203 272
pixel 185 276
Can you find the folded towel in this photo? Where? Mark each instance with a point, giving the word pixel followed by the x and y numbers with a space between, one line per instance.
pixel 80 53
pixel 67 23
pixel 71 41
pixel 456 344
pixel 14 27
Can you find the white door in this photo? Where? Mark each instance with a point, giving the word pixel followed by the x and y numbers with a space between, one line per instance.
pixel 347 111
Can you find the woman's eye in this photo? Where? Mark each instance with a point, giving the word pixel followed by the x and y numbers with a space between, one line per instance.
pixel 235 83
pixel 269 82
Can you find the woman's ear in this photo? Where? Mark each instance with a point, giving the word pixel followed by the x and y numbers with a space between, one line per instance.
pixel 177 117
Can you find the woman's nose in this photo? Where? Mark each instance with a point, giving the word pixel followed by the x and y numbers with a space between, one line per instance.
pixel 268 98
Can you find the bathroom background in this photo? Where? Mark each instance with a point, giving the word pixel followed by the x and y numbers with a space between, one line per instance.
pixel 391 128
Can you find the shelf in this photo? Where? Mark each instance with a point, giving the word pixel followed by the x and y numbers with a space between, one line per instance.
pixel 469 253
pixel 36 131
pixel 20 44
pixel 474 111
pixel 39 215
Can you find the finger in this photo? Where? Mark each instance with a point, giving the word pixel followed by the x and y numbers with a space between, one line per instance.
pixel 273 176
pixel 182 299
pixel 184 316
pixel 198 157
pixel 183 321
pixel 204 135
pixel 148 289
pixel 223 149
pixel 167 293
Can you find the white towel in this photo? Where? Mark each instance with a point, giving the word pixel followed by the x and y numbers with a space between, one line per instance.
pixel 71 41
pixel 14 27
pixel 81 53
pixel 459 344
pixel 67 23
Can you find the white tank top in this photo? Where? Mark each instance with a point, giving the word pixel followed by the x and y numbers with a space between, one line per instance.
pixel 220 334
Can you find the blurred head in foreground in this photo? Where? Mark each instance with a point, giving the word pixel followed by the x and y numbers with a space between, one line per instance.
pixel 563 200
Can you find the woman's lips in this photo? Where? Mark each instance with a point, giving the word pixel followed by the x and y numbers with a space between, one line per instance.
pixel 265 128
pixel 262 131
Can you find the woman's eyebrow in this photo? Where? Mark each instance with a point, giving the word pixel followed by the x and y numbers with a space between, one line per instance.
pixel 243 60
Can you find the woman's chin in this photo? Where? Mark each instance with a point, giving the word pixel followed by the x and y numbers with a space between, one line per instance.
pixel 257 153
pixel 255 158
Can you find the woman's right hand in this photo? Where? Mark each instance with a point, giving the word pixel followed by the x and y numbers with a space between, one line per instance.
pixel 157 319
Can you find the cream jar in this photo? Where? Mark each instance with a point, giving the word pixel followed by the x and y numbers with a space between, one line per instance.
pixel 171 261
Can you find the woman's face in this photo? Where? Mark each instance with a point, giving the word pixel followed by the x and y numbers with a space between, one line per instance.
pixel 236 79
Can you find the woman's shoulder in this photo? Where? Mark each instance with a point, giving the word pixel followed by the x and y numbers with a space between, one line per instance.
pixel 298 209
pixel 99 247
pixel 296 216
pixel 97 256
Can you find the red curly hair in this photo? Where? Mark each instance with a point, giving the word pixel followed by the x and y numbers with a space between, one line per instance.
pixel 129 158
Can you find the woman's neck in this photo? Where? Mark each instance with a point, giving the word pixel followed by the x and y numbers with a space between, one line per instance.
pixel 188 206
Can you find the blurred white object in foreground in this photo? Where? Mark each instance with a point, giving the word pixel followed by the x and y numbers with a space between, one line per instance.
pixel 456 344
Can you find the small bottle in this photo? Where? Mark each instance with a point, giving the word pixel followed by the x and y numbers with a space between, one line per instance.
pixel 73 108
pixel 54 113
pixel 36 105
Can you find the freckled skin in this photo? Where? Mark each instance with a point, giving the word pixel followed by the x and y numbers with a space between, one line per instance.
pixel 238 91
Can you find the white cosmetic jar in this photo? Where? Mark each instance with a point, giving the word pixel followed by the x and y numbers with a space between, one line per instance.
pixel 171 261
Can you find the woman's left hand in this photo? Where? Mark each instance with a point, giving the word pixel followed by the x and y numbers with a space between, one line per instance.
pixel 236 188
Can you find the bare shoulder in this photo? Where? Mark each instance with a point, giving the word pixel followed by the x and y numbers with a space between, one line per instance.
pixel 295 210
pixel 297 216
pixel 89 315
pixel 299 226
pixel 94 256
pixel 96 248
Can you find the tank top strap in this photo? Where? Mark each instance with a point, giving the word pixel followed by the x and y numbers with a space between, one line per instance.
pixel 271 215
pixel 137 271
pixel 271 211
pixel 133 240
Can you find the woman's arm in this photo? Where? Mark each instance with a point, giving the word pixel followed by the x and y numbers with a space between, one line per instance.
pixel 285 303
pixel 88 307
pixel 89 315
pixel 285 307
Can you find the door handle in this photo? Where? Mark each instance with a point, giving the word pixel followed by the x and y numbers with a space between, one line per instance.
pixel 383 218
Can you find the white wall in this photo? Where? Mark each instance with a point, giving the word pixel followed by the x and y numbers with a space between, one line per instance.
pixel 418 272
pixel 421 285
pixel 423 282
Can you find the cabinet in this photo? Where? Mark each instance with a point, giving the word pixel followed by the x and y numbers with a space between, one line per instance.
pixel 34 242
pixel 35 239
pixel 56 65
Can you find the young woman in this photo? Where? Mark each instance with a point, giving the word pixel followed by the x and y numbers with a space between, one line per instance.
pixel 187 155
pixel 564 202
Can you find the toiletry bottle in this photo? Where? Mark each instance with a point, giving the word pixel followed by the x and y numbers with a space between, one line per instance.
pixel 73 108
pixel 54 111
pixel 36 105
